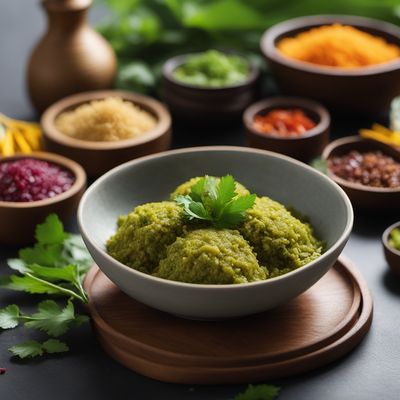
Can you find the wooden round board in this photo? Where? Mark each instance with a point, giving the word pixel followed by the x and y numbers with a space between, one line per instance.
pixel 319 326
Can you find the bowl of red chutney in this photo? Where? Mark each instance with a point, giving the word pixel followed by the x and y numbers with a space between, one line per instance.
pixel 33 186
pixel 292 126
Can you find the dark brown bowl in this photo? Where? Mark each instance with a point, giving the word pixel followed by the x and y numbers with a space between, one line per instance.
pixel 362 196
pixel 204 105
pixel 367 90
pixel 19 219
pixel 392 255
pixel 99 157
pixel 304 147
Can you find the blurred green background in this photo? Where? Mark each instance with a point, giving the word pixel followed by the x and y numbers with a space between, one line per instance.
pixel 144 33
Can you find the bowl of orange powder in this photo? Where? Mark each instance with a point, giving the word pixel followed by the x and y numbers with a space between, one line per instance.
pixel 348 63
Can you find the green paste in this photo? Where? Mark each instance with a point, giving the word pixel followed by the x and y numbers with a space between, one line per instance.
pixel 281 241
pixel 156 238
pixel 143 235
pixel 212 69
pixel 211 256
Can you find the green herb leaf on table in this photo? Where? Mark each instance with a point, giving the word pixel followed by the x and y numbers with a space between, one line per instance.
pixel 259 392
pixel 55 265
pixel 28 349
pixel 9 317
pixel 51 231
pixel 33 348
pixel 217 201
pixel 52 346
pixel 51 318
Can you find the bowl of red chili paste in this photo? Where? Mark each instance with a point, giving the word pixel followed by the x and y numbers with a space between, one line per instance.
pixel 33 186
pixel 296 127
pixel 368 171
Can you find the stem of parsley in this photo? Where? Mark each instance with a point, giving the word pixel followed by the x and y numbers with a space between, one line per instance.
pixel 82 297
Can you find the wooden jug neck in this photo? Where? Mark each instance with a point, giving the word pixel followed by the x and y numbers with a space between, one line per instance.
pixel 66 14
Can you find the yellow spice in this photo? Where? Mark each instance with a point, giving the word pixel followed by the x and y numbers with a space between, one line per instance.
pixel 110 119
pixel 339 46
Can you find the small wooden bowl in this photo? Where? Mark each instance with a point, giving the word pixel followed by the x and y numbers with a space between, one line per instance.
pixel 19 219
pixel 365 90
pixel 304 147
pixel 362 196
pixel 391 254
pixel 99 157
pixel 205 105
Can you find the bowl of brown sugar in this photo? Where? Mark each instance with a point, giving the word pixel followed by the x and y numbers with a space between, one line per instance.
pixel 103 129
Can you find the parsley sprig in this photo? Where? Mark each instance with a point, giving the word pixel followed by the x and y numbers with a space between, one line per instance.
pixel 216 200
pixel 55 265
pixel 259 392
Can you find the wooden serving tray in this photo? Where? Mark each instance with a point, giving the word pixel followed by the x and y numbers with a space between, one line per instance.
pixel 319 326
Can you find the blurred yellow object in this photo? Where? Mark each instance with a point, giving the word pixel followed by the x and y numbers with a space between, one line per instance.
pixel 382 134
pixel 18 136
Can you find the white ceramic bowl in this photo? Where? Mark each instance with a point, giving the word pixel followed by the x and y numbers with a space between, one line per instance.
pixel 152 178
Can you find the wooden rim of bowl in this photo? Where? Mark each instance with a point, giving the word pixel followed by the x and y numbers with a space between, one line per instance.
pixel 287 102
pixel 244 286
pixel 385 149
pixel 385 238
pixel 171 64
pixel 147 103
pixel 268 43
pixel 74 167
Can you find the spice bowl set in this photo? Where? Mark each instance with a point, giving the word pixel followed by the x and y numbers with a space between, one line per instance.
pixel 215 88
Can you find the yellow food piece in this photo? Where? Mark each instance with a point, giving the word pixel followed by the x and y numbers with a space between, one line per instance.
pixel 8 144
pixel 109 119
pixel 18 136
pixel 392 139
pixel 338 46
pixel 21 142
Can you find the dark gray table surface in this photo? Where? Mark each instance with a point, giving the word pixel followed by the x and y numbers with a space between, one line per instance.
pixel 371 371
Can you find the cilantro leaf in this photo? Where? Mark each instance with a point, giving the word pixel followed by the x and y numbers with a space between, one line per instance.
pixel 75 252
pixel 31 348
pixel 51 231
pixel 193 209
pixel 68 273
pixel 28 283
pixel 198 189
pixel 18 265
pixel 226 190
pixel 217 201
pixel 52 346
pixel 259 392
pixel 9 317
pixel 48 255
pixel 51 318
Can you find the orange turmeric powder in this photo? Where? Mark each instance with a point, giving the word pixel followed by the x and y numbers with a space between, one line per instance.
pixel 338 46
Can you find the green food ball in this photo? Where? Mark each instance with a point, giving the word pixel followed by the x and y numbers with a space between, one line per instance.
pixel 211 256
pixel 143 235
pixel 281 241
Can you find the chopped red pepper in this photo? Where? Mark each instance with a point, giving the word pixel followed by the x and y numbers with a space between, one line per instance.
pixel 285 123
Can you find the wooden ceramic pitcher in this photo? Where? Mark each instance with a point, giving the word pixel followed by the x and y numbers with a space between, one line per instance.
pixel 71 57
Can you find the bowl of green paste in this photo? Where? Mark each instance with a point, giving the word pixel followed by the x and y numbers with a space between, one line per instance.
pixel 209 87
pixel 266 239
